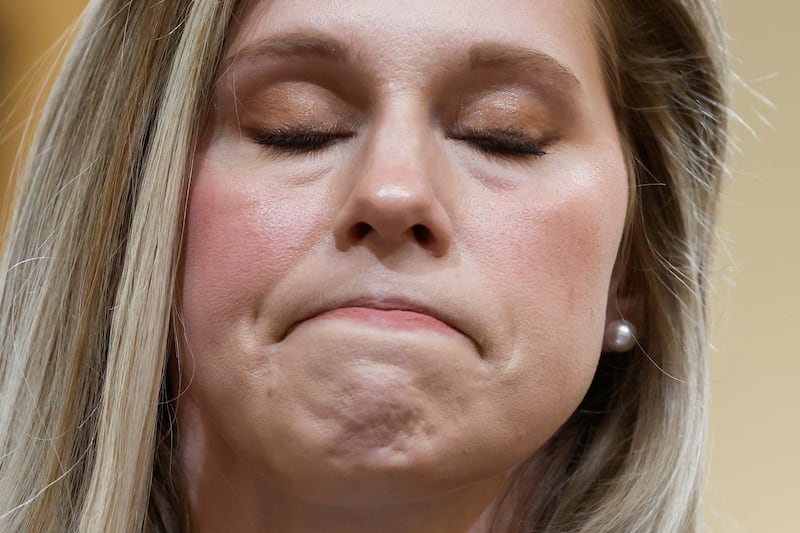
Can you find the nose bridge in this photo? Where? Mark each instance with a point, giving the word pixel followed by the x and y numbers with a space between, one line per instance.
pixel 401 141
pixel 395 197
pixel 396 180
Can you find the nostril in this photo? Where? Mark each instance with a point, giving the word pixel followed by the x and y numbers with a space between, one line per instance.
pixel 361 230
pixel 421 233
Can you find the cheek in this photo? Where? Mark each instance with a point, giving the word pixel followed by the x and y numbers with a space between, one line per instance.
pixel 241 238
pixel 556 257
pixel 551 253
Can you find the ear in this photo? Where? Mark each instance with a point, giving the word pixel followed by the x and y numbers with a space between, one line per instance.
pixel 624 303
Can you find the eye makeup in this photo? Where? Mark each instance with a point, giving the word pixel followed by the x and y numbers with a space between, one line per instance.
pixel 291 117
pixel 287 107
pixel 504 122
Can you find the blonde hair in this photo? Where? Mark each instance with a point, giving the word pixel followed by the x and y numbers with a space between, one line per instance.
pixel 91 259
pixel 631 457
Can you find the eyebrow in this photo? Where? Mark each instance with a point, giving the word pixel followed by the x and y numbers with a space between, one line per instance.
pixel 492 55
pixel 291 45
pixel 485 55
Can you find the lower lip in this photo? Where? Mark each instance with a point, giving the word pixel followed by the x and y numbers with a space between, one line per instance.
pixel 389 318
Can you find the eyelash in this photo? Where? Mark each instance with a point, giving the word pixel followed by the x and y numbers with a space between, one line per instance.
pixel 502 144
pixel 300 141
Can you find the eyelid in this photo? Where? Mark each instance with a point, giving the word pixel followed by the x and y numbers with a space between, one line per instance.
pixel 299 140
pixel 293 131
pixel 507 143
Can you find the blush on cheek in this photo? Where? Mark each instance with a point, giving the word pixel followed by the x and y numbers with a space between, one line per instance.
pixel 556 245
pixel 555 251
pixel 560 257
pixel 241 237
pixel 585 250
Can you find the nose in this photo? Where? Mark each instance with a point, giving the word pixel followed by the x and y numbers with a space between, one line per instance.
pixel 393 202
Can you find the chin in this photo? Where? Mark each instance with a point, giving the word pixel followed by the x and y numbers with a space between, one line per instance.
pixel 391 452
pixel 411 470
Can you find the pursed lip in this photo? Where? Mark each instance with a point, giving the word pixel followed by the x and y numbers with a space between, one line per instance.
pixel 384 304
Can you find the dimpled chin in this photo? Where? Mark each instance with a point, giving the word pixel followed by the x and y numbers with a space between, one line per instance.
pixel 354 421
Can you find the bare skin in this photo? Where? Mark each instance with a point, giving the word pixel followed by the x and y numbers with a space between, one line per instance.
pixel 400 248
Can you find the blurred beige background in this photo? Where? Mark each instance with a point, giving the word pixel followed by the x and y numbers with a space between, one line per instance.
pixel 755 426
pixel 755 429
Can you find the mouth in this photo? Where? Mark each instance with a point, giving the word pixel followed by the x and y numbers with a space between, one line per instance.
pixel 392 314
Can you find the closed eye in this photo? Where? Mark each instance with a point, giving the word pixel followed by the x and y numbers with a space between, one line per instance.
pixel 299 140
pixel 502 143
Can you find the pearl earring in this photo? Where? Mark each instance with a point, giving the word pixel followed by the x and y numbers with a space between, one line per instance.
pixel 620 336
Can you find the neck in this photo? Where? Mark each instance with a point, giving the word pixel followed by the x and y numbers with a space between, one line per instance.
pixel 223 508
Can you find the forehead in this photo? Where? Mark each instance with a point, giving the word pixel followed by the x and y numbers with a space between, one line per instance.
pixel 404 39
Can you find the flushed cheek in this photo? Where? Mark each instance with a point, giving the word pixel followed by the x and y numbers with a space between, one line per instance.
pixel 551 262
pixel 241 238
pixel 550 252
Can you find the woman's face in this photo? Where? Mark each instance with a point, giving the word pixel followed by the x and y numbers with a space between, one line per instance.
pixel 402 226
